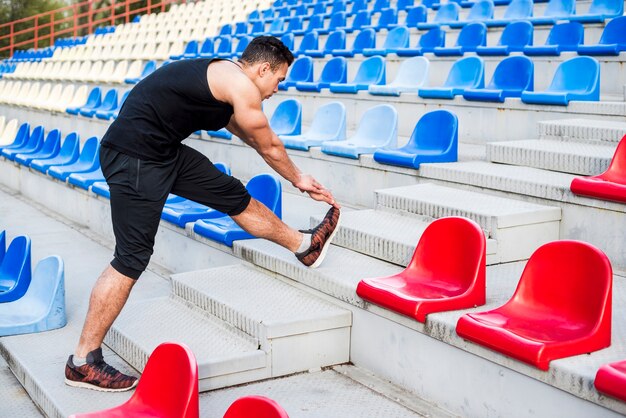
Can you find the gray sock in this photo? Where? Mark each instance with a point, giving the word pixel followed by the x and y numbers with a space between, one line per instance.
pixel 79 361
pixel 305 244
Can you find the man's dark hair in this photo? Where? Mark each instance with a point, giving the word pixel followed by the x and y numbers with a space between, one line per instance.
pixel 267 49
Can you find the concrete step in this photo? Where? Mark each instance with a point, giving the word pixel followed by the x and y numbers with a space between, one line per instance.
pixel 225 355
pixel 386 235
pixel 14 399
pixel 519 227
pixel 555 155
pixel 583 130
pixel 298 330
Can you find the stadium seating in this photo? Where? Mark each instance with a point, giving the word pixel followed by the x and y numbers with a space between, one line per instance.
pixel 255 407
pixel 536 326
pixel 50 148
pixel 337 20
pixel 101 188
pixel 168 387
pixel 514 38
pixel 362 19
pixel 335 40
pixel 378 128
pixel 42 306
pixel 68 154
pixel 87 161
pixel 309 41
pixel 555 10
pixel 3 245
pixel 111 113
pixel 386 18
pixel 315 22
pixel 15 270
pixel 94 100
pixel 516 10
pixel 334 71
pixel 599 11
pixel 471 37
pixel 8 133
pixel 263 187
pixel 19 139
pixel 414 15
pixel 512 76
pixel 372 71
pixel 412 74
pixel 611 380
pixel 610 185
pixel 447 272
pixel 397 37
pixel 435 139
pixel 448 13
pixel 86 179
pixel 562 37
pixel 575 79
pixel 466 73
pixel 32 145
pixel 301 70
pixel 329 124
pixel 481 11
pixel 612 41
pixel 287 118
pixel 109 103
pixel 435 37
pixel 366 38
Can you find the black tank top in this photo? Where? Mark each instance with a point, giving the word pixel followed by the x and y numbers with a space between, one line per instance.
pixel 165 108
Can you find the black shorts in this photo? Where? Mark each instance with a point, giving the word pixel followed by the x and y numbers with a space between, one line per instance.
pixel 139 189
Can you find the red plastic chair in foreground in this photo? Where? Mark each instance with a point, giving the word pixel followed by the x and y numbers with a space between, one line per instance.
pixel 610 185
pixel 255 407
pixel 447 272
pixel 561 307
pixel 611 380
pixel 168 387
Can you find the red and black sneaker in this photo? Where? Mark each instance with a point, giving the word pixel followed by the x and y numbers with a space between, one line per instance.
pixel 321 236
pixel 97 375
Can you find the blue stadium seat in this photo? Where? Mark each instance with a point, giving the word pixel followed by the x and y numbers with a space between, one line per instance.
pixel 366 38
pixel 358 6
pixel 147 70
pixel 335 71
pixel 289 41
pixel 414 15
pixel 109 102
pixel 435 139
pixel 191 51
pixel 397 37
pixel 562 37
pixel 516 10
pixel 21 137
pixel 86 179
pixel 466 73
pixel 412 74
pixel 309 41
pixel 68 154
pixel 386 17
pixel 287 118
pixel 405 4
pixel 329 124
pixel 93 100
pixel 555 10
pixel 338 6
pixel 575 79
pixel 226 30
pixel 512 76
pixel 87 161
pixel 42 307
pixel 362 18
pixel 471 36
pixel 380 5
pixel 337 20
pixel 112 113
pixel 599 11
pixel 315 22
pixel 51 147
pixel 301 70
pixel 258 28
pixel 481 11
pixel 295 23
pixel 378 128
pixel 224 47
pixel 263 187
pixel 15 272
pixel 222 133
pixel 435 37
pixel 372 71
pixel 207 49
pixel 241 46
pixel 335 40
pixel 3 245
pixel 34 144
pixel 612 41
pixel 101 188
pixel 241 29
pixel 447 13
pixel 514 38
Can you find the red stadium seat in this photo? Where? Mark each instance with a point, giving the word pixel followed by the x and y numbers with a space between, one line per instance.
pixel 447 272
pixel 255 407
pixel 168 387
pixel 561 307
pixel 611 380
pixel 610 185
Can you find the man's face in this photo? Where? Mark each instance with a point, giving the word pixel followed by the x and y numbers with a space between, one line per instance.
pixel 268 80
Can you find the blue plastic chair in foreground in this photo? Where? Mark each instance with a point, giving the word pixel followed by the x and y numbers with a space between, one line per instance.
pixel 49 149
pixel 42 308
pixel 612 41
pixel 471 36
pixel 15 273
pixel 93 101
pixel 466 73
pixel 335 71
pixel 412 74
pixel 87 161
pixel 575 79
pixel 555 10
pixel 516 10
pixel 481 11
pixel 512 76
pixel 435 139
pixel 68 154
pixel 33 145
pixel 378 128
pixel 599 11
pixel 514 38
pixel 301 70
pixel 86 179
pixel 21 137
pixel 287 118
pixel 397 37
pixel 366 38
pixel 562 37
pixel 372 71
pixel 435 37
pixel 329 124
pixel 266 189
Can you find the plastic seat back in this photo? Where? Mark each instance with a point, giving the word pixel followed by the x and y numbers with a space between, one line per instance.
pixel 448 12
pixel 466 73
pixel 615 33
pixel 310 41
pixel 607 8
pixel 371 71
pixel 471 36
pixel 379 5
pixel 225 45
pixel 377 126
pixel 362 18
pixel 337 20
pixel 436 131
pixel 3 245
pixel 415 15
pixel 15 270
pixel 616 172
pixel 519 9
pixel 335 40
pixel 191 49
pixel 266 188
pixel 315 22
pixel 412 72
pixel 387 17
pixel 287 118
pixel 397 37
pixel 110 100
pixel 577 75
pixel 207 48
pixel 435 37
pixel 517 35
pixel 9 133
pixel 365 39
pixel 242 44
pixel 255 407
pixel 70 147
pixel 20 138
pixel 560 8
pixel 513 73
pixel 288 40
pixel 568 35
pixel 329 123
pixel 301 70
pixel 481 10
pixel 46 291
pixel 335 71
pixel 277 26
pixel 94 99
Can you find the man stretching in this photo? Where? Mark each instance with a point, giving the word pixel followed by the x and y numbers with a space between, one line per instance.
pixel 143 160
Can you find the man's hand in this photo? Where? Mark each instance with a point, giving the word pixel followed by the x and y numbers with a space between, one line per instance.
pixel 308 184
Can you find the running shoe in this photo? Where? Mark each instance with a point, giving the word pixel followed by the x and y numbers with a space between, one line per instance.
pixel 97 375
pixel 321 236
